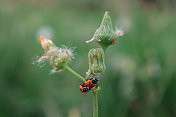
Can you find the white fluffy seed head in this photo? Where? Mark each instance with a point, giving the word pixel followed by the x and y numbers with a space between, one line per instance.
pixel 119 32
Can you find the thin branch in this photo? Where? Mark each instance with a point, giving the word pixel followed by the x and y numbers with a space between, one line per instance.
pixel 75 73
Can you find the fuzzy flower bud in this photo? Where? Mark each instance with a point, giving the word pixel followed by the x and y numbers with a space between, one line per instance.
pixel 96 61
pixel 105 34
pixel 58 57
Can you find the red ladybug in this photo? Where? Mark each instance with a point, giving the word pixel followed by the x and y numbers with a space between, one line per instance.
pixel 88 84
pixel 94 81
pixel 83 89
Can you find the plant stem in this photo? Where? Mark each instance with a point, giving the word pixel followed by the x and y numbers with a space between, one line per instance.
pixel 75 73
pixel 95 102
pixel 104 48
pixel 95 95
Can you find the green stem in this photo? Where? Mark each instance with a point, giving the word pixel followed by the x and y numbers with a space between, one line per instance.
pixel 104 48
pixel 75 73
pixel 95 102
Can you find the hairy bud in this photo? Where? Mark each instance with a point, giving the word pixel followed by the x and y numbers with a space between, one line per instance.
pixel 96 61
pixel 105 34
pixel 59 57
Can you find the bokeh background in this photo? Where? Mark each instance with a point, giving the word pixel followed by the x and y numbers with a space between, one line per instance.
pixel 140 79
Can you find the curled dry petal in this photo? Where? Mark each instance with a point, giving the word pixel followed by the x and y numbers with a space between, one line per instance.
pixel 43 58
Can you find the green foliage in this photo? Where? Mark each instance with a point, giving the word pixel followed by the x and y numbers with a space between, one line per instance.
pixel 139 81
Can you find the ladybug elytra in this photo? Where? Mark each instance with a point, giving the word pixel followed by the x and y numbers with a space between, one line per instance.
pixel 88 84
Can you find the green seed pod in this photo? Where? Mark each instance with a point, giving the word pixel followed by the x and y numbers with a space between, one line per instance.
pixel 105 34
pixel 96 61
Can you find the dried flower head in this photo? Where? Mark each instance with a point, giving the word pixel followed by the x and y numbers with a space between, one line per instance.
pixel 59 57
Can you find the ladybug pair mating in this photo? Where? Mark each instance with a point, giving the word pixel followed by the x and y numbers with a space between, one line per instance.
pixel 88 84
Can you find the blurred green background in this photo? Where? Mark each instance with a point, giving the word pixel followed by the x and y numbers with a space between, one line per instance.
pixel 140 79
